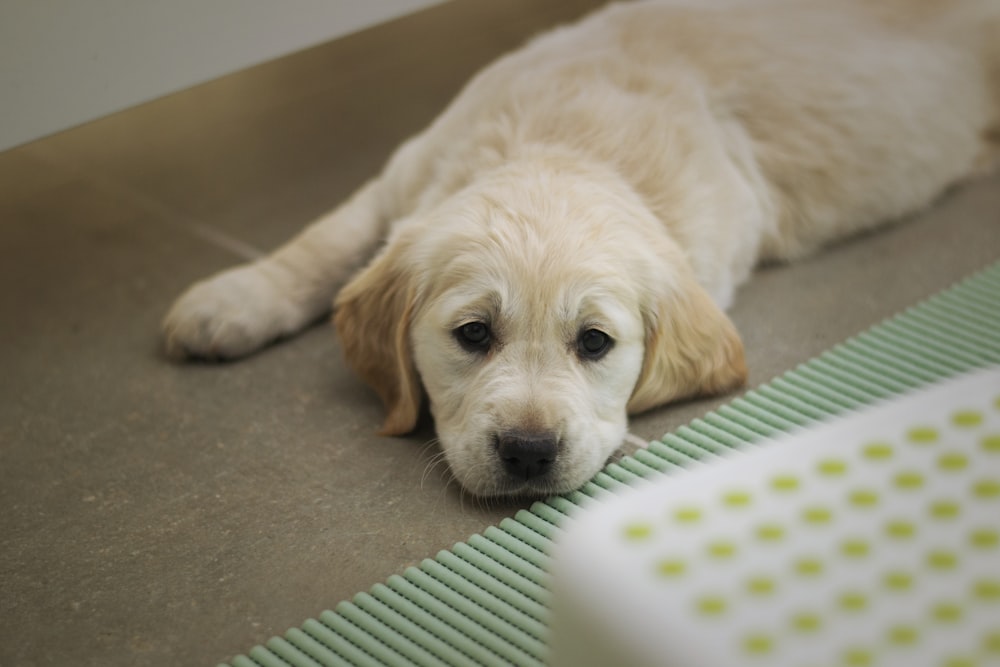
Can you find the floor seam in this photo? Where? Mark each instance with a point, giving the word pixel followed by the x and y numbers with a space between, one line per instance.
pixel 109 185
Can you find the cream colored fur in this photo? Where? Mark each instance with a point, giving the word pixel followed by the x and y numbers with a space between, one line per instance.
pixel 622 175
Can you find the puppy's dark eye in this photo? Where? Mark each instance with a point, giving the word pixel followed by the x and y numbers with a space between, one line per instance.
pixel 473 336
pixel 593 344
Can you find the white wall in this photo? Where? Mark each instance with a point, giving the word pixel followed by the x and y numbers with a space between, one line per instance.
pixel 64 62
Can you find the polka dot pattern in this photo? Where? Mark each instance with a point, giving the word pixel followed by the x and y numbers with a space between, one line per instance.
pixel 869 544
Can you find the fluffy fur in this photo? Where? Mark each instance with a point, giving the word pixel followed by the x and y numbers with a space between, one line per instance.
pixel 621 176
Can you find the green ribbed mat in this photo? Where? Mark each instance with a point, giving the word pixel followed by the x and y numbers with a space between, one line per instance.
pixel 486 602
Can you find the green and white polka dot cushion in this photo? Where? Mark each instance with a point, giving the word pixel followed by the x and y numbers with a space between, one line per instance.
pixel 870 540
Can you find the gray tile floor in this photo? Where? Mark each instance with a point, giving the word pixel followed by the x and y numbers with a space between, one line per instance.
pixel 162 514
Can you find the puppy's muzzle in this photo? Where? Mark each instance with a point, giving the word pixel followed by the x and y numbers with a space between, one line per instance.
pixel 527 456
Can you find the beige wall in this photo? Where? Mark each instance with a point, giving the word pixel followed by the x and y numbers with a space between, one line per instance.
pixel 64 62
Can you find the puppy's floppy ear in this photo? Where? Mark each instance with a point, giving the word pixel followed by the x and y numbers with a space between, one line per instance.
pixel 692 349
pixel 372 316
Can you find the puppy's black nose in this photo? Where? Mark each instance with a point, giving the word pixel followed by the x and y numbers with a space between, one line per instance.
pixel 527 455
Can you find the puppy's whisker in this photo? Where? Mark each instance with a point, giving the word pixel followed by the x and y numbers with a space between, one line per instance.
pixel 434 460
pixel 432 467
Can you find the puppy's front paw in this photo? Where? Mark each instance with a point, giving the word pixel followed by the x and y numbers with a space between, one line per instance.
pixel 229 315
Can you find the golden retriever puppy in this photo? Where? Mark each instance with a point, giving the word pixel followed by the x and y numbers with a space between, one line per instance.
pixel 557 249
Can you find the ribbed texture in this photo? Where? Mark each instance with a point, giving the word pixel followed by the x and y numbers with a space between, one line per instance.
pixel 486 602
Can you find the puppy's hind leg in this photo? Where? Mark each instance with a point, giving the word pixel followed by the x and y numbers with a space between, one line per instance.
pixel 237 311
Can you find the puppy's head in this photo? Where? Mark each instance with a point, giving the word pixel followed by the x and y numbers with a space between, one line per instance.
pixel 537 310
